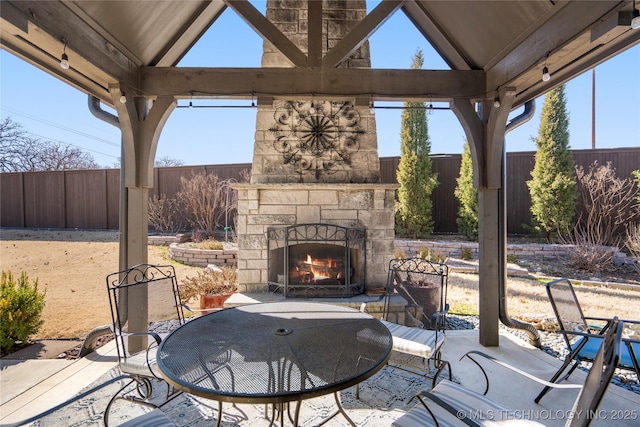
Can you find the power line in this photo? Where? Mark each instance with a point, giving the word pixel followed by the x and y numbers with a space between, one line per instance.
pixel 86 135
pixel 72 145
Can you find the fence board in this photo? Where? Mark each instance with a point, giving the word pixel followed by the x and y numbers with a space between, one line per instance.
pixel 44 200
pixel 86 204
pixel 519 167
pixel 12 205
pixel 113 198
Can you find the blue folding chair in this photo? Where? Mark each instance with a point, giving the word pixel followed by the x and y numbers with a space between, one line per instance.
pixel 583 335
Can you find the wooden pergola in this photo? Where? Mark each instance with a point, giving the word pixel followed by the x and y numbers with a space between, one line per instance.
pixel 495 49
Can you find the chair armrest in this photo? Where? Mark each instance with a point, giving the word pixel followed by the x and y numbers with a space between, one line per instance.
pixel 443 365
pixel 197 310
pixel 444 405
pixel 189 309
pixel 153 335
pixel 439 319
pixel 513 369
pixel 67 402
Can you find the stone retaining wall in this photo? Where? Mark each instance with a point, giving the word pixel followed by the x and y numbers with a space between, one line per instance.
pixel 203 257
pixel 454 249
pixel 165 240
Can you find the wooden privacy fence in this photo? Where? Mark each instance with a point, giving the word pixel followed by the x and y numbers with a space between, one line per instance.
pixel 89 199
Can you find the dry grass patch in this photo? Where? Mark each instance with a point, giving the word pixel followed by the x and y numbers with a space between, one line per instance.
pixel 72 266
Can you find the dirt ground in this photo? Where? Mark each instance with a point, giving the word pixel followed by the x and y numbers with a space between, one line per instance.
pixel 72 264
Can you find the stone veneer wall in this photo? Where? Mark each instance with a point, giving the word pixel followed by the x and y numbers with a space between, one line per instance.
pixel 349 205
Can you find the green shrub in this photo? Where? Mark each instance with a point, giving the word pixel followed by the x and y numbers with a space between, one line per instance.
pixel 424 253
pixel 553 187
pixel 466 253
pixel 211 245
pixel 21 307
pixel 438 256
pixel 467 196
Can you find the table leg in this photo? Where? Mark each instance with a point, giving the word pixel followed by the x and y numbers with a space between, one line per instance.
pixel 339 411
pixel 297 414
pixel 219 413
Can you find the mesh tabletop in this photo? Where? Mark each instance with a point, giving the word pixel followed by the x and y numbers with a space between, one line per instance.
pixel 274 352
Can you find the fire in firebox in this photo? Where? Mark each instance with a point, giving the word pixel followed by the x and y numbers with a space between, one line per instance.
pixel 317 270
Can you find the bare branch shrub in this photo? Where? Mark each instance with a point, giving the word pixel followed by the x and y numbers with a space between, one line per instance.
pixel 587 254
pixel 632 242
pixel 606 204
pixel 165 214
pixel 207 201
pixel 245 175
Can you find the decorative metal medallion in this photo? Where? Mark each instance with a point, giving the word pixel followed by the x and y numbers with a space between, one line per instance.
pixel 318 136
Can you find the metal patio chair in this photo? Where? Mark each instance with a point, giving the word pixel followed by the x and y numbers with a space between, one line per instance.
pixel 583 335
pixel 450 404
pixel 137 348
pixel 410 277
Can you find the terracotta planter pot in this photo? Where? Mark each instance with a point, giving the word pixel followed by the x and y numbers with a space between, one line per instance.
pixel 213 302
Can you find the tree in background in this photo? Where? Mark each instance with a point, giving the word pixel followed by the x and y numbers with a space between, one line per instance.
pixel 19 152
pixel 636 175
pixel 553 187
pixel 417 181
pixel 467 196
pixel 167 161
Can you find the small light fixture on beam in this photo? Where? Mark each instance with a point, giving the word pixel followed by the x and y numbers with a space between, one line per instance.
pixel 546 76
pixel 64 61
pixel 372 108
pixel 635 17
pixel 496 102
pixel 123 98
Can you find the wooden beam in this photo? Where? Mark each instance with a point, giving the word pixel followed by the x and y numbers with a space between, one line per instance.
pixel 287 83
pixel 314 33
pixel 49 23
pixel 560 30
pixel 361 32
pixel 268 31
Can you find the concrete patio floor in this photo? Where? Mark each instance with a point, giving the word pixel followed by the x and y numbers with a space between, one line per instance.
pixel 32 386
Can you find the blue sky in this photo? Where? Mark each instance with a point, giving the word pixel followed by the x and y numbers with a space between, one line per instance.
pixel 50 109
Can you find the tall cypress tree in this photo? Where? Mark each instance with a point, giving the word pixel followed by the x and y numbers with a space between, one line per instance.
pixel 414 216
pixel 467 196
pixel 553 187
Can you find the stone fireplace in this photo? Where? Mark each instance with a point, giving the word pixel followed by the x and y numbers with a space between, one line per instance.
pixel 264 209
pixel 315 162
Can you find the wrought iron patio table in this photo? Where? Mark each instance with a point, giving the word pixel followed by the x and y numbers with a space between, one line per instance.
pixel 275 353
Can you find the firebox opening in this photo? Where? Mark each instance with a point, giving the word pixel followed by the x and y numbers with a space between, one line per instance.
pixel 302 266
